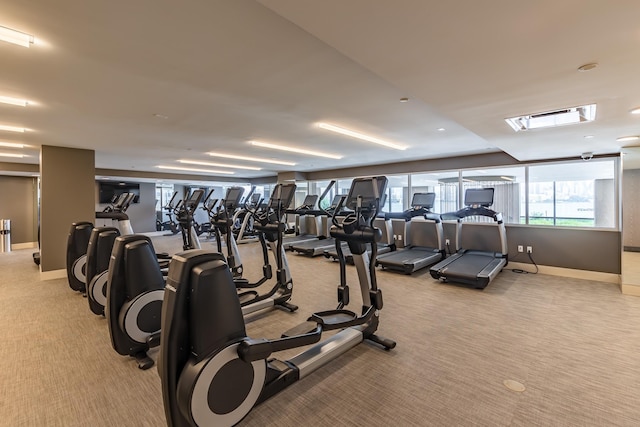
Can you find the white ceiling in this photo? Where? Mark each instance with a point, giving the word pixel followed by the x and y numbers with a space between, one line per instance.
pixel 225 72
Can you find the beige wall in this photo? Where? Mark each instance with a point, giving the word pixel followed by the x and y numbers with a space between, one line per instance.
pixel 67 196
pixel 19 204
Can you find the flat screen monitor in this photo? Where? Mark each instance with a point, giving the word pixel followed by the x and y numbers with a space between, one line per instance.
pixel 194 199
pixel 478 196
pixel 255 198
pixel 423 200
pixel 310 200
pixel 233 196
pixel 363 187
pixel 282 196
pixel 336 200
pixel 109 190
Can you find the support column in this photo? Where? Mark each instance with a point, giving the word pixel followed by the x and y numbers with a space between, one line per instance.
pixel 67 195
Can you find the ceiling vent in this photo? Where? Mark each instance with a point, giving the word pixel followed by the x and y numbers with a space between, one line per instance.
pixel 549 119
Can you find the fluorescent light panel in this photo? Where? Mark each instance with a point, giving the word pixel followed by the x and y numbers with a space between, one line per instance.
pixel 221 165
pixel 13 101
pixel 250 159
pixel 635 111
pixel 11 155
pixel 11 144
pixel 16 37
pixel 177 168
pixel 361 136
pixel 11 128
pixel 627 138
pixel 294 149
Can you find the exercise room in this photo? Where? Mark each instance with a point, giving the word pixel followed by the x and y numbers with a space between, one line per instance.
pixel 286 213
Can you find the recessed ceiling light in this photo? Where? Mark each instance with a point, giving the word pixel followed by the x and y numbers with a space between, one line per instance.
pixel 404 99
pixel 250 159
pixel 13 101
pixel 441 129
pixel 220 165
pixel 359 135
pixel 587 67
pixel 177 168
pixel 16 37
pixel 12 155
pixel 294 150
pixel 548 119
pixel 11 128
pixel 11 144
pixel 635 111
pixel 161 116
pixel 588 137
pixel 628 138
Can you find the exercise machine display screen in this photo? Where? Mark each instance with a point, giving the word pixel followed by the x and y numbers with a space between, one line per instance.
pixel 194 199
pixel 232 198
pixel 478 196
pixel 287 191
pixel 363 187
pixel 310 200
pixel 424 200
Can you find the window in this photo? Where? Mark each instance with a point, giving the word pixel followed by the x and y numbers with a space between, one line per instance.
pixel 576 194
pixel 318 187
pixel 444 184
pixel 509 190
pixel 398 198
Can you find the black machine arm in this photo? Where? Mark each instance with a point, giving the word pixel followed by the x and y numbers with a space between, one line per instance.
pixel 256 349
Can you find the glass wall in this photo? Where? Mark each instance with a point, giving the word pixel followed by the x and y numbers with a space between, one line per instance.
pixel 509 186
pixel 580 194
pixel 444 184
pixel 564 194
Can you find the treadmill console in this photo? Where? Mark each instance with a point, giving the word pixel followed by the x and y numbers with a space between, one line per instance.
pixel 310 201
pixel 423 200
pixel 364 187
pixel 282 196
pixel 478 197
pixel 232 198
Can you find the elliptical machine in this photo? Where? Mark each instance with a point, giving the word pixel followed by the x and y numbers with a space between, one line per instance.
pixel 212 373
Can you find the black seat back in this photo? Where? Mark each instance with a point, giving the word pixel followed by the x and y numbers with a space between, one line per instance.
pixel 133 270
pixel 98 257
pixel 77 243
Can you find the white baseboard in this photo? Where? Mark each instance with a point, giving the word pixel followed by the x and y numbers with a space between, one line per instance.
pixel 53 274
pixel 569 272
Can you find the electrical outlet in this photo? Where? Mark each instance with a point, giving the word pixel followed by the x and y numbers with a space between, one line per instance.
pixel 529 250
pixel 447 242
pixel 520 248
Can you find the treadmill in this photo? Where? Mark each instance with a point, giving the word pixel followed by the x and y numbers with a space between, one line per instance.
pixel 307 225
pixel 476 266
pixel 317 247
pixel 426 238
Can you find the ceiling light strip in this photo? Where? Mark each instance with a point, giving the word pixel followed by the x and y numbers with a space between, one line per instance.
pixel 13 101
pixel 294 150
pixel 250 159
pixel 16 37
pixel 11 128
pixel 11 144
pixel 177 168
pixel 12 155
pixel 220 165
pixel 358 135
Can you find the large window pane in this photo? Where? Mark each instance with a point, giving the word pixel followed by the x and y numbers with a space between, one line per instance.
pixel 577 194
pixel 509 190
pixel 444 184
pixel 398 198
pixel 317 187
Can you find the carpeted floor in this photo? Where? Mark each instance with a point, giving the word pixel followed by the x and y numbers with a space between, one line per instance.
pixel 574 344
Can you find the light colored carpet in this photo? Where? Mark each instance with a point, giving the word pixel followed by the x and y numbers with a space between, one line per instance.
pixel 574 344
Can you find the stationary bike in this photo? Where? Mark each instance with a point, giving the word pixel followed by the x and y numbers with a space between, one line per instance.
pixel 212 373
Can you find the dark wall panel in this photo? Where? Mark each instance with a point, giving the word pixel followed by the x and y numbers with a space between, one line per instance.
pixel 19 205
pixel 581 249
